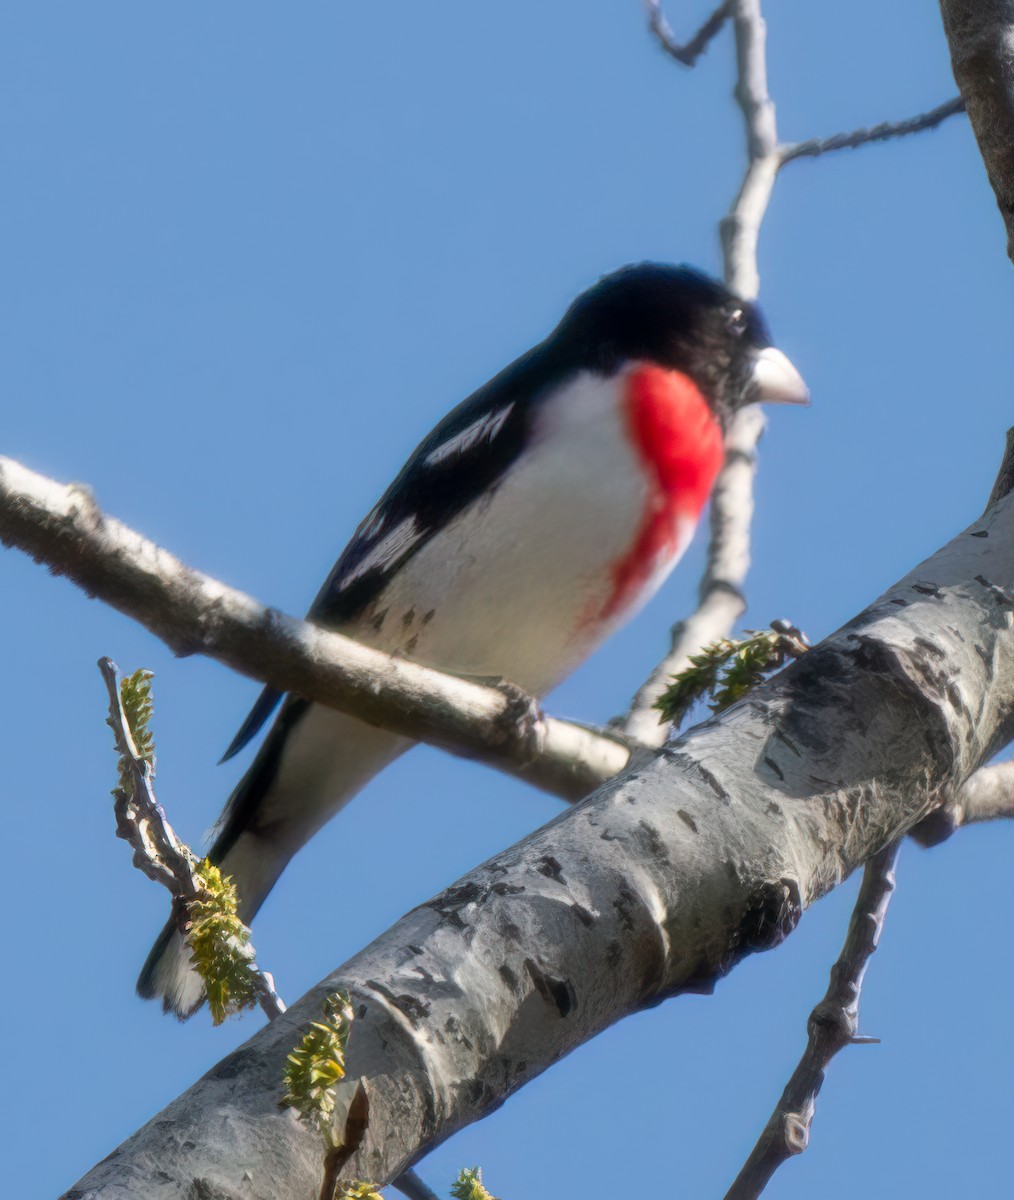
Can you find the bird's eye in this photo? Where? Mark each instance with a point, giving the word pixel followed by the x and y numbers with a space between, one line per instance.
pixel 737 322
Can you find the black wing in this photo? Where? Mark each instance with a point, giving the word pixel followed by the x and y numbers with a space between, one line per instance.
pixel 465 456
pixel 266 704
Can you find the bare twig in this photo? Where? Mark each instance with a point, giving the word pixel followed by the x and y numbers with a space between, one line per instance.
pixel 721 591
pixel 832 1026
pixel 885 131
pixel 689 52
pixel 193 613
pixel 721 600
pixel 409 1184
pixel 158 852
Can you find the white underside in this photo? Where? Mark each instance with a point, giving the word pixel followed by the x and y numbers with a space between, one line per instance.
pixel 505 590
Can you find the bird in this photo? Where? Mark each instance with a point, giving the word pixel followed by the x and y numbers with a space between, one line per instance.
pixel 535 519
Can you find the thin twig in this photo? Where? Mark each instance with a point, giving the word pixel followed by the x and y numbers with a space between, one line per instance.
pixel 721 601
pixel 158 852
pixel 689 52
pixel 409 1184
pixel 885 131
pixel 832 1026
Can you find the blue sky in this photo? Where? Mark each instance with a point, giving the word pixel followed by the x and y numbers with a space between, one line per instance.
pixel 249 256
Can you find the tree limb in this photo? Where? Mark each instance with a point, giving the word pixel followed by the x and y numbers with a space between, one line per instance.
pixel 980 34
pixel 658 884
pixel 193 613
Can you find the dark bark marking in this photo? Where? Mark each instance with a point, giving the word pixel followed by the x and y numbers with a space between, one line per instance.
pixel 623 904
pixel 999 594
pixel 772 912
pixel 787 742
pixel 583 914
pixel 508 976
pixel 713 783
pixel 202 1189
pixel 450 903
pixel 557 992
pixel 653 842
pixel 549 867
pixel 507 889
pixel 769 761
pixel 410 1006
pixel 687 819
pixel 926 589
pixel 687 763
pixel 930 648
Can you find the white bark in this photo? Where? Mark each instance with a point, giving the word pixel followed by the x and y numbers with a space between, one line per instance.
pixel 658 884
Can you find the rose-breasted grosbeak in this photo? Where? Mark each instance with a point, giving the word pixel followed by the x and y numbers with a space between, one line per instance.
pixel 535 519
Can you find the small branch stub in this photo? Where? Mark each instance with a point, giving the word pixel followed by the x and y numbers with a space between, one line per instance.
pixel 884 132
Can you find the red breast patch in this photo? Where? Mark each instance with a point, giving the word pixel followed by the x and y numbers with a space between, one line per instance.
pixel 680 443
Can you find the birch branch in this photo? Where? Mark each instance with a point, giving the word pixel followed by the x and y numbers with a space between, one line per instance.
pixel 721 601
pixel 980 34
pixel 686 53
pixel 833 1025
pixel 658 884
pixel 193 613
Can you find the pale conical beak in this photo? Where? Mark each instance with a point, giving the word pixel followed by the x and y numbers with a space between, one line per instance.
pixel 776 381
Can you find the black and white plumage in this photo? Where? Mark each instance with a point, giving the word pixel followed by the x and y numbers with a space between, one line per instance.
pixel 530 523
